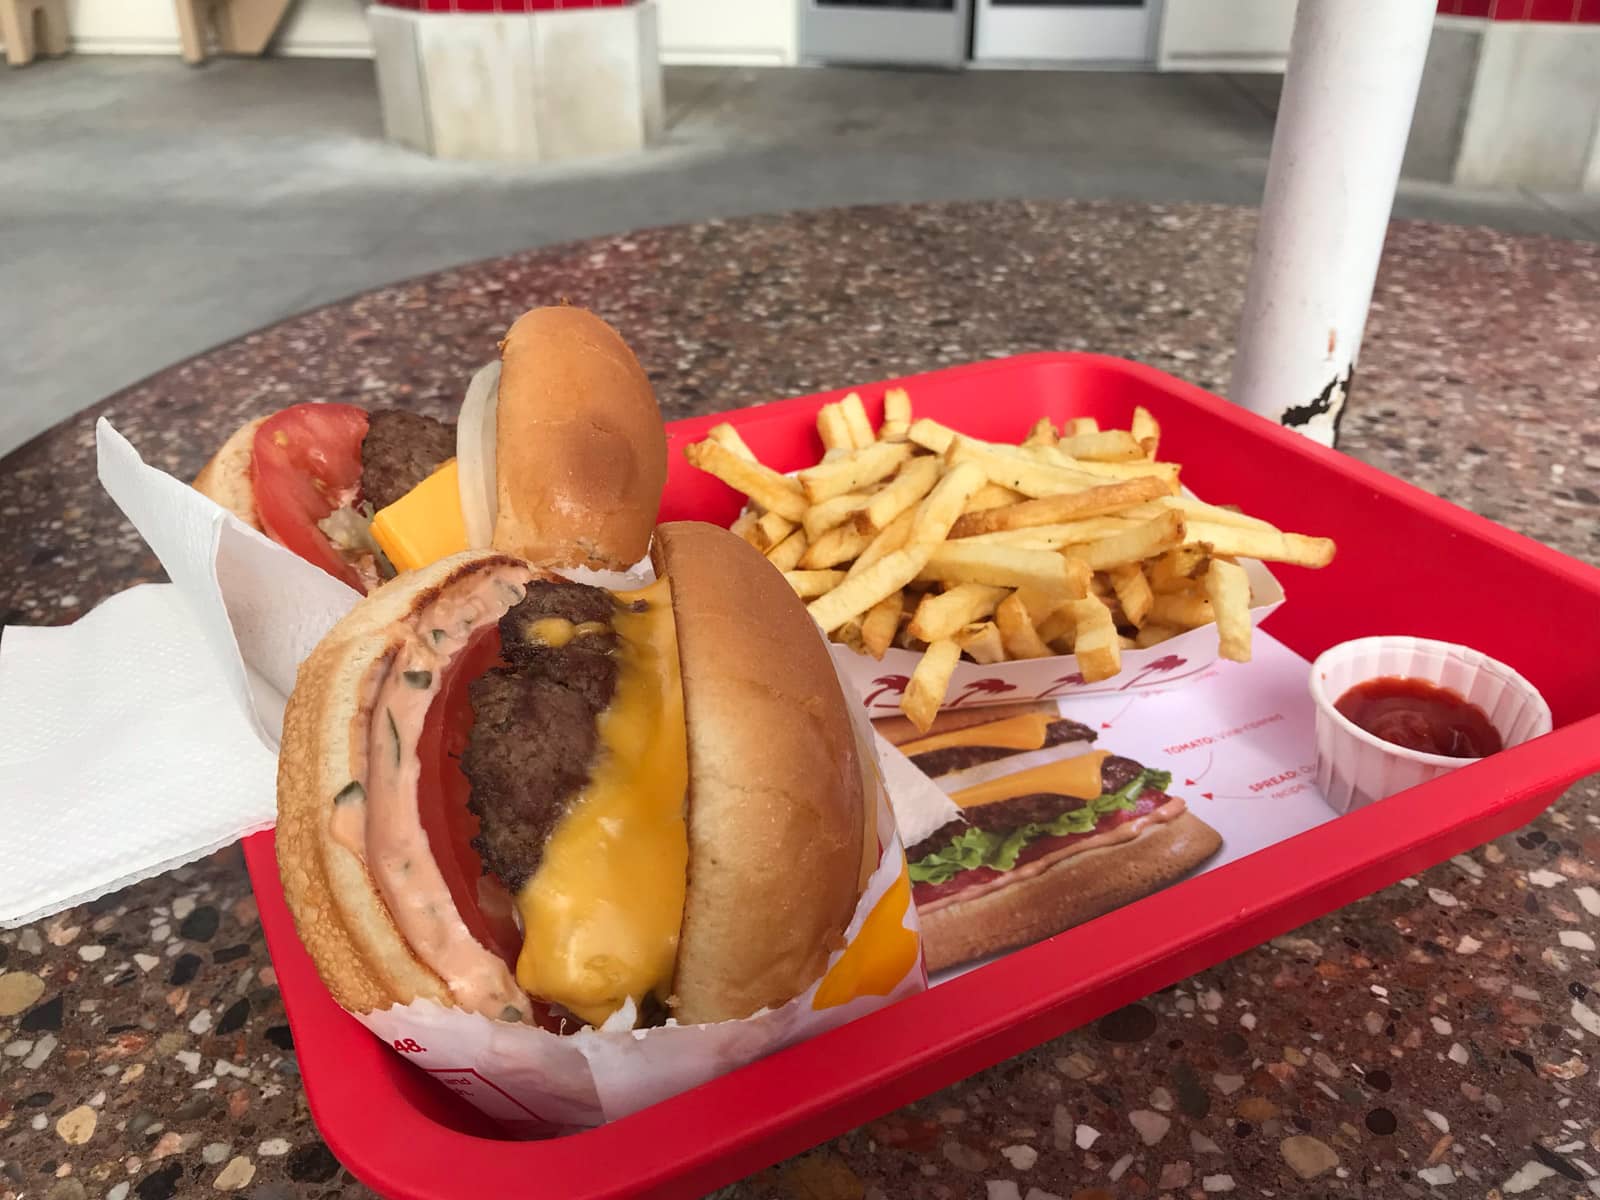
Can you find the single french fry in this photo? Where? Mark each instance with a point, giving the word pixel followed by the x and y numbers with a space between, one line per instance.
pixel 858 593
pixel 728 436
pixel 1058 509
pixel 786 555
pixel 897 406
pixel 1039 603
pixel 1228 589
pixel 837 545
pixel 981 642
pixel 1199 510
pixel 1095 640
pixel 1107 445
pixel 850 634
pixel 879 625
pixel 1176 570
pixel 1043 433
pixel 1145 431
pixel 1057 630
pixel 915 480
pixel 1055 537
pixel 1165 471
pixel 827 480
pixel 1006 567
pixel 941 508
pixel 1133 591
pixel 886 541
pixel 765 486
pixel 1078 426
pixel 1234 541
pixel 1145 540
pixel 855 420
pixel 1153 633
pixel 929 683
pixel 1017 633
pixel 1189 610
pixel 833 429
pixel 822 517
pixel 1126 642
pixel 771 529
pixel 808 585
pixel 745 525
pixel 835 453
pixel 991 495
pixel 940 615
pixel 931 435
pixel 1025 473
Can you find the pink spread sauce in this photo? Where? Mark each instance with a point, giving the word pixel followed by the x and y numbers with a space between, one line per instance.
pixel 385 830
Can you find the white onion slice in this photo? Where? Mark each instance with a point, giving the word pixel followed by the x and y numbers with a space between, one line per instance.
pixel 475 442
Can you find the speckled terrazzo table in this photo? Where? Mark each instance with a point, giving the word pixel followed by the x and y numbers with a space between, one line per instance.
pixel 1441 1036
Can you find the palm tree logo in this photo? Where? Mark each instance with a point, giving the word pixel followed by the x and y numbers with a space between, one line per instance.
pixel 982 687
pixel 1076 679
pixel 1166 663
pixel 888 685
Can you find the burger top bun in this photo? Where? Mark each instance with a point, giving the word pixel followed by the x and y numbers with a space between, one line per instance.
pixel 226 478
pixel 581 456
pixel 776 814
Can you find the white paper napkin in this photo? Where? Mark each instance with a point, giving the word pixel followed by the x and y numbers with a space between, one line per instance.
pixel 123 754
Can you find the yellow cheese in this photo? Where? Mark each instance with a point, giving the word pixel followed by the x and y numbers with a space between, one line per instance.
pixel 879 957
pixel 1024 732
pixel 425 524
pixel 600 917
pixel 1078 777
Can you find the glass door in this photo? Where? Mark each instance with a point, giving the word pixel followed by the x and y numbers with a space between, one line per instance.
pixel 926 32
pixel 1083 31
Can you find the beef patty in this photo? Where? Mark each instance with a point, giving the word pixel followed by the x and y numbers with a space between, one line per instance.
pixel 958 758
pixel 1037 808
pixel 400 450
pixel 534 736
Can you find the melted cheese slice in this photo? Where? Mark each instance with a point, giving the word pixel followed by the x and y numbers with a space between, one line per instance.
pixel 1077 777
pixel 879 957
pixel 425 524
pixel 1024 732
pixel 601 915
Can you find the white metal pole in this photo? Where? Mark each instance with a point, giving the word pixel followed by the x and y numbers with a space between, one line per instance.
pixel 1348 96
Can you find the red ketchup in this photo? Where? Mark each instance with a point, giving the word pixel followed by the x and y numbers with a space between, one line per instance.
pixel 1419 715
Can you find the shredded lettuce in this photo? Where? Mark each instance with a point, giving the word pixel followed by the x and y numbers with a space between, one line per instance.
pixel 974 847
pixel 349 528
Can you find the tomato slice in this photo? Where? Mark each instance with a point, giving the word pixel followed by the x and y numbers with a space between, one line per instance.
pixel 442 793
pixel 306 462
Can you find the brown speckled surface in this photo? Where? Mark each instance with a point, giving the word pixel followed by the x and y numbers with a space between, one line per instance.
pixel 1440 1037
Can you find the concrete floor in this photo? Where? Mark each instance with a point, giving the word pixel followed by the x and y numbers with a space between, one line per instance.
pixel 149 211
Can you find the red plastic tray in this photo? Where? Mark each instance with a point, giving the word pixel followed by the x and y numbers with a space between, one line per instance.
pixel 1408 563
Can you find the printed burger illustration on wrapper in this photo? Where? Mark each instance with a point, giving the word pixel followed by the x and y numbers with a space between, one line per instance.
pixel 571 849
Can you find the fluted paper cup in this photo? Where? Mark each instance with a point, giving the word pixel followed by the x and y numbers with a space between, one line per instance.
pixel 1354 767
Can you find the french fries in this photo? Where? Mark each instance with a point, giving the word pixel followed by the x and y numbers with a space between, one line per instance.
pixel 1077 541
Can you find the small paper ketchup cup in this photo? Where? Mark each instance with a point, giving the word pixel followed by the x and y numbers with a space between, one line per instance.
pixel 1355 767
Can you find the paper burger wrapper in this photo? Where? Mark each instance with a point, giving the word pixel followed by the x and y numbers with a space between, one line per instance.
pixel 879 683
pixel 539 1084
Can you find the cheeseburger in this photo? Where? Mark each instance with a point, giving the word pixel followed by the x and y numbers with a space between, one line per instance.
pixel 548 802
pixel 557 456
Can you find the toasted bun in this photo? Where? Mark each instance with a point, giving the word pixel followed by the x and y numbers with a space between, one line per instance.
pixel 226 478
pixel 338 910
pixel 776 815
pixel 1076 889
pixel 580 453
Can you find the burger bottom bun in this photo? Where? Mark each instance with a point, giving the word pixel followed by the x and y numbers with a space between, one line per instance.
pixel 226 478
pixel 1074 890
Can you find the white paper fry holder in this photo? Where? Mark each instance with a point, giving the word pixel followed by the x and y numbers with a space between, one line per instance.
pixel 880 683
pixel 534 1083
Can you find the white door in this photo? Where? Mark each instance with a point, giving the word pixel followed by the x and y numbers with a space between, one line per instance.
pixel 1081 31
pixel 921 32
